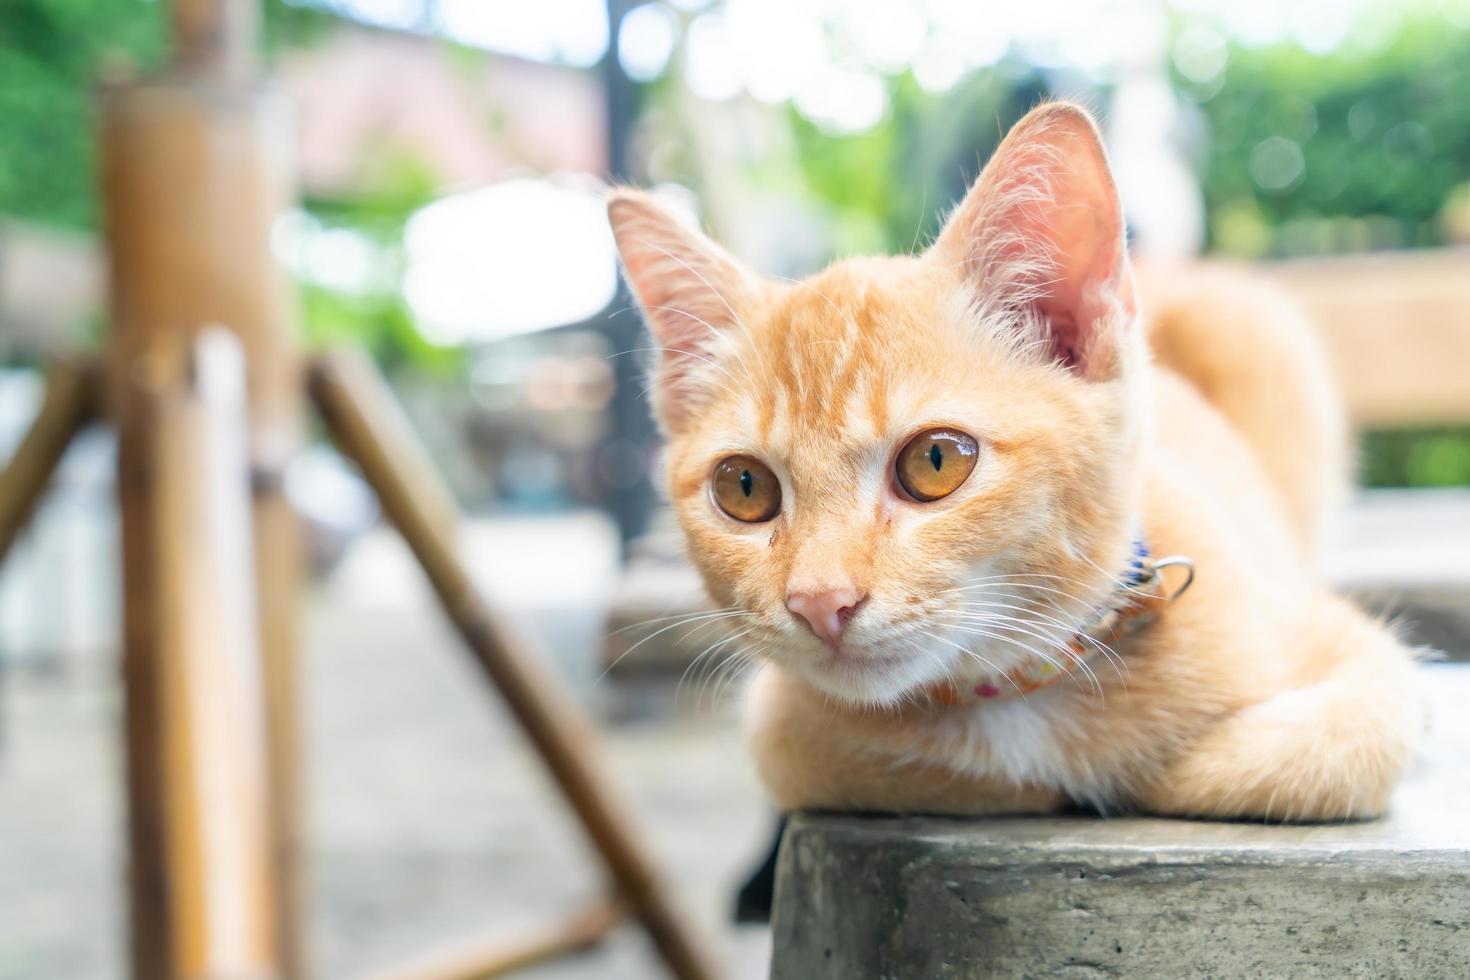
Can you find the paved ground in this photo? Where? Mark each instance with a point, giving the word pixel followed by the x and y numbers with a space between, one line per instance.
pixel 429 821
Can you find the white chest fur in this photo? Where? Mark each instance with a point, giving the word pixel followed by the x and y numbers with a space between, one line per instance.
pixel 1024 740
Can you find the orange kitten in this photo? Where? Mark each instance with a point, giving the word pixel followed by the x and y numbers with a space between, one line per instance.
pixel 936 488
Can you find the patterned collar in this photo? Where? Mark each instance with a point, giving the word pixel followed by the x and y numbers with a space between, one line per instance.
pixel 1140 596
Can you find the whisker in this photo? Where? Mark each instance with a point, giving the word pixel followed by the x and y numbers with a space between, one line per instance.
pixel 968 652
pixel 660 632
pixel 1073 629
pixel 923 200
pixel 743 661
pixel 1023 622
pixel 700 614
pixel 1016 578
pixel 729 673
pixel 708 651
pixel 1083 604
pixel 1119 583
pixel 1078 662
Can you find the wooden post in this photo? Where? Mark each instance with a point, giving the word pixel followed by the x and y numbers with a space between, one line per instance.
pixel 578 934
pixel 207 774
pixel 194 174
pixel 369 427
pixel 70 403
pixel 216 37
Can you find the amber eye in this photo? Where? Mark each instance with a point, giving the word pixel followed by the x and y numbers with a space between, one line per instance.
pixel 935 463
pixel 746 489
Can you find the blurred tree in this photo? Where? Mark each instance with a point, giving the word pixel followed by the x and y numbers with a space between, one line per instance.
pixel 889 187
pixel 376 316
pixel 52 52
pixel 1437 457
pixel 1361 148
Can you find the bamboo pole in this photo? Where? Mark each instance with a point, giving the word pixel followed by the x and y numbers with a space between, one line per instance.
pixel 70 403
pixel 216 36
pixel 194 174
pixel 206 788
pixel 500 957
pixel 369 427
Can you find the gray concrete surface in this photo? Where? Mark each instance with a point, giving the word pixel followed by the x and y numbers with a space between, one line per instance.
pixel 1079 897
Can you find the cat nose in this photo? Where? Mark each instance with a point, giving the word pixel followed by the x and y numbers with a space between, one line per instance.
pixel 827 612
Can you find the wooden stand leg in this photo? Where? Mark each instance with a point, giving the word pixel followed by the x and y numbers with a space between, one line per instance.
pixel 278 584
pixel 202 869
pixel 194 173
pixel 495 959
pixel 70 403
pixel 367 424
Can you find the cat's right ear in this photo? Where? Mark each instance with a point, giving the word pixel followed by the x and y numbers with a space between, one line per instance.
pixel 689 290
pixel 1042 227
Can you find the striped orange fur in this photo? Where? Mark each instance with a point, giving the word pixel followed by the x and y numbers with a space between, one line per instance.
pixel 1192 408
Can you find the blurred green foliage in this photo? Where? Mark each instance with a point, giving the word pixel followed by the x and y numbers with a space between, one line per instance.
pixel 889 187
pixel 52 53
pixel 377 317
pixel 1375 141
pixel 380 323
pixel 1438 457
pixel 1361 148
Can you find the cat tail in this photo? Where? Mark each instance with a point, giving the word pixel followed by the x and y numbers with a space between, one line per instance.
pixel 1256 357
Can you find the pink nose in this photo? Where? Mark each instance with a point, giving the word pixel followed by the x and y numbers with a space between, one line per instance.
pixel 826 612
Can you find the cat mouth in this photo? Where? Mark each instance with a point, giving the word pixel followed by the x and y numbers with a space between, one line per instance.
pixel 869 649
pixel 847 659
pixel 842 657
pixel 864 675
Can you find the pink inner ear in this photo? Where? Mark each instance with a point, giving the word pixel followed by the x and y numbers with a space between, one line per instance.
pixel 1066 340
pixel 1090 296
pixel 689 290
pixel 1045 211
pixel 1080 224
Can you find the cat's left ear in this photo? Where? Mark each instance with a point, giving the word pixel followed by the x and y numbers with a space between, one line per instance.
pixel 1042 225
pixel 690 290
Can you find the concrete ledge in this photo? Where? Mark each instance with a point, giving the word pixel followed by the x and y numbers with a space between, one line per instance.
pixel 931 898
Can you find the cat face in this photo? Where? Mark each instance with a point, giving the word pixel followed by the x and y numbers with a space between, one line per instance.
pixel 905 470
